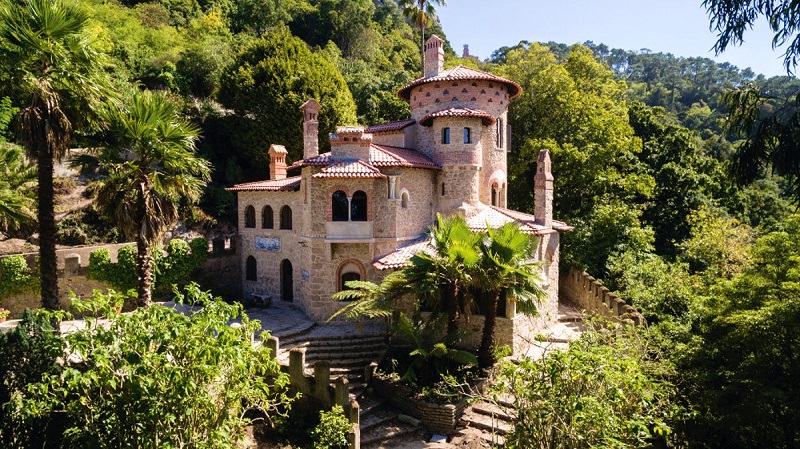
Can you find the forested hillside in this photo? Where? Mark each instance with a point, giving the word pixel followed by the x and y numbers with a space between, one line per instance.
pixel 643 160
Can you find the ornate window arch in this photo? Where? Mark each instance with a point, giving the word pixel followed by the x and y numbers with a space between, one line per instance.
pixel 267 218
pixel 358 206
pixel 286 217
pixel 349 270
pixel 404 198
pixel 339 206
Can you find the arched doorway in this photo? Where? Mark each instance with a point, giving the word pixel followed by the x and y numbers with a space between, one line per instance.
pixel 287 288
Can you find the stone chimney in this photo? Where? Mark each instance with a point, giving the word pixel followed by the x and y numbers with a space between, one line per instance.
pixel 277 162
pixel 350 143
pixel 543 190
pixel 434 56
pixel 310 128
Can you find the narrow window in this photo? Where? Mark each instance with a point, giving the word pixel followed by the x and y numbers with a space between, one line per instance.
pixel 347 277
pixel 499 133
pixel 442 189
pixel 404 200
pixel 251 269
pixel 467 135
pixel 358 206
pixel 267 220
pixel 250 217
pixel 494 195
pixel 339 206
pixel 445 135
pixel 286 217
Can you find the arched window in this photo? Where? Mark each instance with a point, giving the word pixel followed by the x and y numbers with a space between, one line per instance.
pixel 250 217
pixel 404 199
pixel 358 206
pixel 251 269
pixel 494 195
pixel 286 217
pixel 347 277
pixel 267 220
pixel 467 135
pixel 445 135
pixel 339 206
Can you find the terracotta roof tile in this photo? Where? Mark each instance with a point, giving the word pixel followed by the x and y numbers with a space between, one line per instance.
pixel 399 258
pixel 460 72
pixel 287 184
pixel 458 112
pixel 349 169
pixel 390 126
pixel 380 156
pixel 496 217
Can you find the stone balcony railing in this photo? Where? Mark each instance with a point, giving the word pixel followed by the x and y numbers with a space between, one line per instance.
pixel 348 230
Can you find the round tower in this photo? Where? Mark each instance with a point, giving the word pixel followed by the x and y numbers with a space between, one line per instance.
pixel 461 116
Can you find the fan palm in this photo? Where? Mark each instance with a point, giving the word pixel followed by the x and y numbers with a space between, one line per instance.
pixel 507 272
pixel 370 300
pixel 45 53
pixel 148 169
pixel 17 177
pixel 420 11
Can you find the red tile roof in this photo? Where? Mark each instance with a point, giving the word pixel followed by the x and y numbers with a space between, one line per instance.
pixel 284 185
pixel 399 258
pixel 380 156
pixel 390 126
pixel 349 169
pixel 458 112
pixel 496 217
pixel 457 73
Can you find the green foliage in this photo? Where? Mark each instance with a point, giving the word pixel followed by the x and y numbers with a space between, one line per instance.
pixel 7 113
pixel 168 379
pixel 718 245
pixel 609 389
pixel 17 181
pixel 266 85
pixel 27 354
pixel 16 277
pixel 332 430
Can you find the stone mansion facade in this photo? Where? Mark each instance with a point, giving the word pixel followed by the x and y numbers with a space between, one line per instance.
pixel 365 207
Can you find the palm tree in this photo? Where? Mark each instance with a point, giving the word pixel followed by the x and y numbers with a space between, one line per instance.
pixel 148 169
pixel 48 58
pixel 370 300
pixel 507 272
pixel 17 177
pixel 419 11
pixel 440 278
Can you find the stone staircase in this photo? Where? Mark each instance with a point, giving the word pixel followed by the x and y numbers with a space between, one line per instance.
pixel 381 424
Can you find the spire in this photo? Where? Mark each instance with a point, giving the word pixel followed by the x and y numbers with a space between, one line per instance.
pixel 434 56
pixel 543 190
pixel 310 128
pixel 277 162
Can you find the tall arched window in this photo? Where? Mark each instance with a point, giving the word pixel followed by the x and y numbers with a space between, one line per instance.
pixel 251 269
pixel 250 217
pixel 267 220
pixel 404 199
pixel 358 206
pixel 286 217
pixel 339 206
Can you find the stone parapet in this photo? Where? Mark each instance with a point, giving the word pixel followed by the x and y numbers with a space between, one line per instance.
pixel 586 292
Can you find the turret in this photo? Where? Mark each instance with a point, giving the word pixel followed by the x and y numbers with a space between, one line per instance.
pixel 434 56
pixel 277 162
pixel 543 190
pixel 310 128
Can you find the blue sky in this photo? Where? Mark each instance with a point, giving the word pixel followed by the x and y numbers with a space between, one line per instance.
pixel 680 27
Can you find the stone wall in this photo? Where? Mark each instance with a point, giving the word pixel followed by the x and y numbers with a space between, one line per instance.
pixel 489 96
pixel 586 292
pixel 437 418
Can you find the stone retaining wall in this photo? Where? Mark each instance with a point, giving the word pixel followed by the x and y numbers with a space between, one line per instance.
pixel 586 292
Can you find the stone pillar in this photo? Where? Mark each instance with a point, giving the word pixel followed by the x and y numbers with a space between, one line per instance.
pixel 274 345
pixel 277 162
pixel 342 388
pixel 434 56
pixel 310 128
pixel 543 190
pixel 322 381
pixel 72 264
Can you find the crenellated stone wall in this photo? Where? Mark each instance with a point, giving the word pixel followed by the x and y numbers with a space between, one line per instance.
pixel 586 292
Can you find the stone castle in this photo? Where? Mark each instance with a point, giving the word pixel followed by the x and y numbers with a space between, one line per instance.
pixel 365 207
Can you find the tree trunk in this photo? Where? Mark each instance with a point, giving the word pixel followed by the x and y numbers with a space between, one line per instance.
pixel 47 230
pixel 453 317
pixel 144 263
pixel 486 351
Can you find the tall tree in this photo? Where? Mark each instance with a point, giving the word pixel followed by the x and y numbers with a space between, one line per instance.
pixel 508 273
pixel 47 56
pixel 420 11
pixel 148 169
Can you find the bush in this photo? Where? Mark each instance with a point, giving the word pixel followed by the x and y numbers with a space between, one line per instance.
pixel 332 430
pixel 17 277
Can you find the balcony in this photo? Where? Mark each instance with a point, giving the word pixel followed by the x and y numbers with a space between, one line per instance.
pixel 348 230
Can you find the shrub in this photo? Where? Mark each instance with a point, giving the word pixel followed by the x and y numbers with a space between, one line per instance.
pixel 17 277
pixel 332 430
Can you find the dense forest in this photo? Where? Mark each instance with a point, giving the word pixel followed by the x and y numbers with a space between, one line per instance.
pixel 649 167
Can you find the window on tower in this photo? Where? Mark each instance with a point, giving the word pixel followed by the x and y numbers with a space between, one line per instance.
pixel 467 135
pixel 445 135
